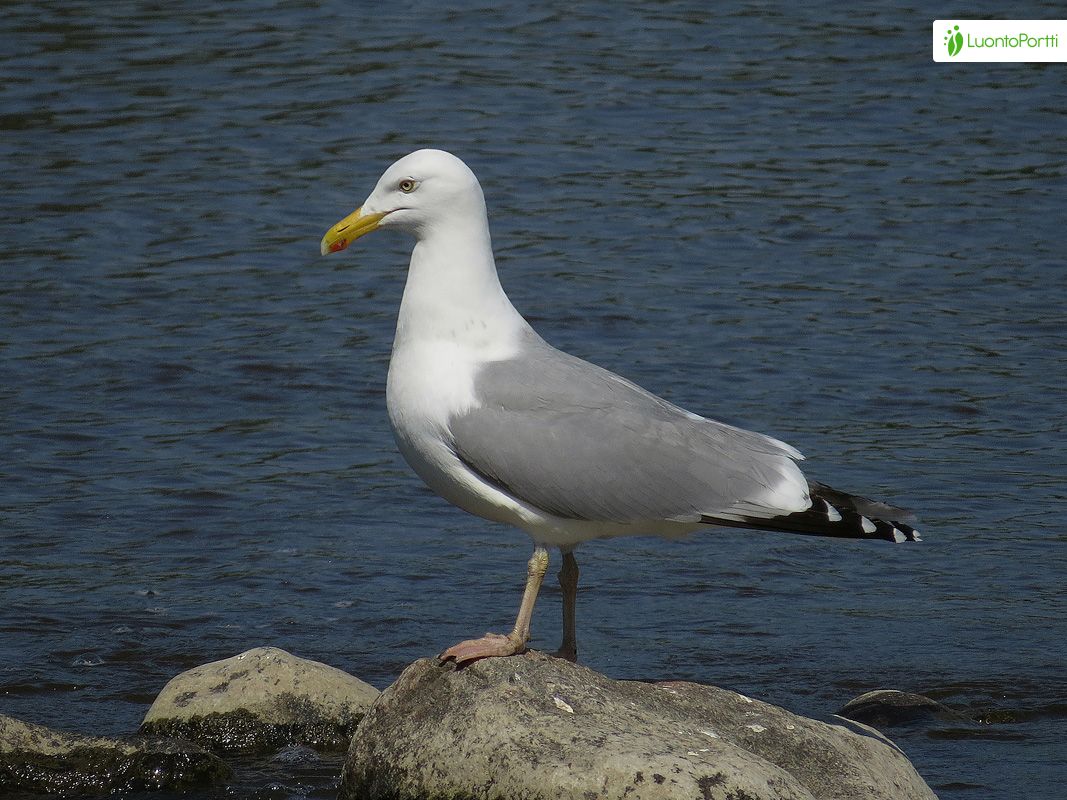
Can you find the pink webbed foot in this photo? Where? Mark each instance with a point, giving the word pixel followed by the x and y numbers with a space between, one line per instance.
pixel 492 645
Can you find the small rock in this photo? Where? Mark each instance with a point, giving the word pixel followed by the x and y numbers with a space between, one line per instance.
pixel 537 727
pixel 259 701
pixel 39 760
pixel 885 708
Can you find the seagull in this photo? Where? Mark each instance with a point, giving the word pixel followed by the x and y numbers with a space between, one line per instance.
pixel 502 424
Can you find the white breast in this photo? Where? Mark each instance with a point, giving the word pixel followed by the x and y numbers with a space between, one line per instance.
pixel 454 317
pixel 430 381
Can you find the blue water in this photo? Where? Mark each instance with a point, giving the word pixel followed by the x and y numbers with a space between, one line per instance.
pixel 786 218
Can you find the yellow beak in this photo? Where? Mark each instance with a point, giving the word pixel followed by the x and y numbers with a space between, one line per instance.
pixel 348 230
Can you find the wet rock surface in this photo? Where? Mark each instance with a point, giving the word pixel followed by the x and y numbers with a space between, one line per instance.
pixel 887 708
pixel 537 727
pixel 39 760
pixel 259 701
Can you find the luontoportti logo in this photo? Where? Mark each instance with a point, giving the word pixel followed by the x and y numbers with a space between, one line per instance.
pixel 954 41
pixel 1006 40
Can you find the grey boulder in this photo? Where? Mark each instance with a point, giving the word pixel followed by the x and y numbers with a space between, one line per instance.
pixel 535 727
pixel 261 700
pixel 886 708
pixel 39 760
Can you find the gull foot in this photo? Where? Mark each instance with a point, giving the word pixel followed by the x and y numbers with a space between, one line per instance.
pixel 492 645
pixel 567 654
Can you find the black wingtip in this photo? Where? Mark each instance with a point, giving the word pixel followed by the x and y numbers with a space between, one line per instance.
pixel 837 514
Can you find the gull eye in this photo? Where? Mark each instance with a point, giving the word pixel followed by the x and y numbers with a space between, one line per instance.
pixel 407 186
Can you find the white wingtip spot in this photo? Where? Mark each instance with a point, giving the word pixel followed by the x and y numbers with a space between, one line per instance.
pixel 832 513
pixel 867 525
pixel 898 536
pixel 915 537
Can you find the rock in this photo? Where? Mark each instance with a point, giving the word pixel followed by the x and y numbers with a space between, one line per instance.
pixel 888 707
pixel 39 760
pixel 885 708
pixel 537 727
pixel 261 700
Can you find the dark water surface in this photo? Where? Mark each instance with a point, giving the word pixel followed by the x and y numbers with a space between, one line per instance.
pixel 788 219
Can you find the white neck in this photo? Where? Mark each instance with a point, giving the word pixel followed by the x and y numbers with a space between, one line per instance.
pixel 453 292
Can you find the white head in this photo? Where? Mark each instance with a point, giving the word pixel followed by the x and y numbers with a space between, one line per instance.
pixel 420 191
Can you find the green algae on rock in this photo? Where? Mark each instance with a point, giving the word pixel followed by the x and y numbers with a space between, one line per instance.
pixel 39 760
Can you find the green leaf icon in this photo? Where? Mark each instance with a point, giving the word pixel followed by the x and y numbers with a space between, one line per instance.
pixel 954 41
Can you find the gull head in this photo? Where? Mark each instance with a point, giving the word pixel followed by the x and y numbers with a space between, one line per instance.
pixel 420 191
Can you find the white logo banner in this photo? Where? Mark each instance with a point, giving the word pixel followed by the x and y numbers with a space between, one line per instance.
pixel 1018 40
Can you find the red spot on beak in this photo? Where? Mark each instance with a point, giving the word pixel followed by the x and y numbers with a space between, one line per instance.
pixel 340 244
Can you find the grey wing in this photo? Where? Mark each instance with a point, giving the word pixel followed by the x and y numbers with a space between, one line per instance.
pixel 580 442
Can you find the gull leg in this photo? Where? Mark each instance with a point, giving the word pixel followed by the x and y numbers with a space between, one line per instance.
pixel 494 644
pixel 568 583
